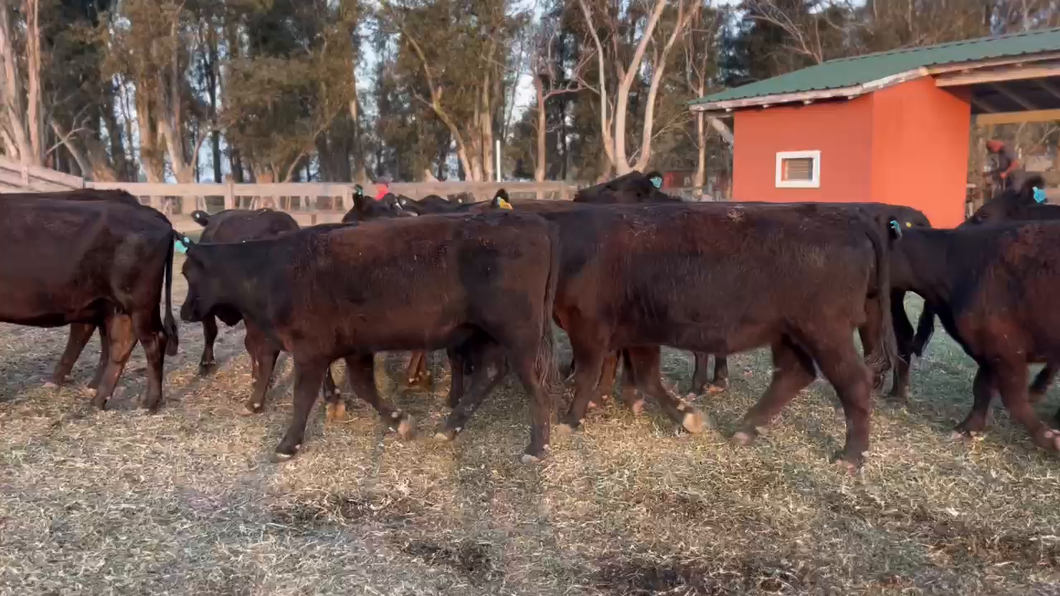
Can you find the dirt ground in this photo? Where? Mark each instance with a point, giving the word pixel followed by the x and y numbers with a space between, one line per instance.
pixel 186 502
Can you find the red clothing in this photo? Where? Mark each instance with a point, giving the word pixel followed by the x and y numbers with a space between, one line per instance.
pixel 382 191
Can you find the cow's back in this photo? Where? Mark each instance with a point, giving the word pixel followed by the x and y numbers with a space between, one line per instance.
pixel 237 225
pixel 650 268
pixel 64 259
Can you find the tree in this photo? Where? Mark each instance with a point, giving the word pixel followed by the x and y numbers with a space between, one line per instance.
pixel 613 118
pixel 22 129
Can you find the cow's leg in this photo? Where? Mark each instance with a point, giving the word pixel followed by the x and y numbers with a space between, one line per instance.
pixel 207 364
pixel 648 373
pixel 699 375
pixel 80 333
pixel 845 369
pixel 334 404
pixel 903 334
pixel 104 358
pixel 263 355
pixel 478 364
pixel 590 359
pixel 457 365
pixel 1011 380
pixel 721 373
pixel 360 370
pixel 628 390
pixel 607 377
pixel 308 376
pixel 1041 383
pixel 982 393
pixel 793 371
pixel 417 373
pixel 148 328
pixel 535 377
pixel 413 367
pixel 869 332
pixel 121 341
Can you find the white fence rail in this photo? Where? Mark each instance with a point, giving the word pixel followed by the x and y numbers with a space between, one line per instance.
pixel 15 177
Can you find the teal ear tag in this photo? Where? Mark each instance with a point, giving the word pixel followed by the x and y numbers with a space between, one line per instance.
pixel 1039 195
pixel 179 246
pixel 897 228
pixel 656 182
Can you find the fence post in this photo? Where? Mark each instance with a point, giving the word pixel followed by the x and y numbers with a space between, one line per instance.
pixel 230 194
pixel 25 176
pixel 347 198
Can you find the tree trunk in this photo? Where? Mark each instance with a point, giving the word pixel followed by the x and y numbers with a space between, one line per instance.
pixel 540 158
pixel 33 92
pixel 701 150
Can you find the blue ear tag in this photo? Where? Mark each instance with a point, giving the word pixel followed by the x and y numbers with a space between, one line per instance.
pixel 656 182
pixel 1039 194
pixel 897 228
pixel 179 246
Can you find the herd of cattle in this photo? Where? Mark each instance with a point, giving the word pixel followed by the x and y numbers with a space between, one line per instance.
pixel 623 269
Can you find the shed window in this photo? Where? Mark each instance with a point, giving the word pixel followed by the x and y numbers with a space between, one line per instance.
pixel 799 169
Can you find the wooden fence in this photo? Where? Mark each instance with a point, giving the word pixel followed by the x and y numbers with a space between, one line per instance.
pixel 15 177
pixel 309 197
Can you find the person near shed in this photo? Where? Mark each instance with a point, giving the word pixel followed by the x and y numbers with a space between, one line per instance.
pixel 382 187
pixel 1006 172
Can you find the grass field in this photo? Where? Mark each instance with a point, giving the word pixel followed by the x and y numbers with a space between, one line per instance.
pixel 185 502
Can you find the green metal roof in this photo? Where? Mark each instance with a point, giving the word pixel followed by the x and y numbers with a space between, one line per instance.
pixel 859 70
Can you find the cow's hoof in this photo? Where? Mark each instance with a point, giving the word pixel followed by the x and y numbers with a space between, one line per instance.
pixel 1048 439
pixel 743 438
pixel 250 409
pixel 693 422
pixel 206 368
pixel 445 435
pixel 849 467
pixel 637 407
pixel 51 385
pixel 279 458
pixel 335 412
pixel 406 427
pixel 564 430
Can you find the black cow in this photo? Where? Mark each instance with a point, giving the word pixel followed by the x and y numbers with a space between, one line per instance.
pixel 91 262
pixel 240 225
pixel 366 208
pixel 800 279
pixel 338 291
pixel 633 187
pixel 81 333
pixel 1022 204
pixel 993 287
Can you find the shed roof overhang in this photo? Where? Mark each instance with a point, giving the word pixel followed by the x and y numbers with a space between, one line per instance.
pixel 1023 88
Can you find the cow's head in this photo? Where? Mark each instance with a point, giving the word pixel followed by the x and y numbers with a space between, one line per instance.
pixel 501 200
pixel 204 288
pixel 1009 203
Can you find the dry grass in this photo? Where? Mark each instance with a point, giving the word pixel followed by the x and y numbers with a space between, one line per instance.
pixel 185 502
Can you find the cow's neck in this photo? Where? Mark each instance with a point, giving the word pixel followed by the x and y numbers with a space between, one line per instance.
pixel 927 270
pixel 244 277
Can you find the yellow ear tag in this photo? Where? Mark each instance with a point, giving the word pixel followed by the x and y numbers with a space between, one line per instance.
pixel 908 224
pixel 504 204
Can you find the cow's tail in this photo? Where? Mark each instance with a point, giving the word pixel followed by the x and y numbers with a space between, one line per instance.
pixel 545 366
pixel 885 357
pixel 201 217
pixel 169 324
pixel 925 327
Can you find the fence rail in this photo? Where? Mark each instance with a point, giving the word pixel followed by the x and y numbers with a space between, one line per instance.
pixel 15 177
pixel 314 196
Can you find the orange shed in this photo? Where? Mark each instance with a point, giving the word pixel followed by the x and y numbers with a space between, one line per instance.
pixel 892 127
